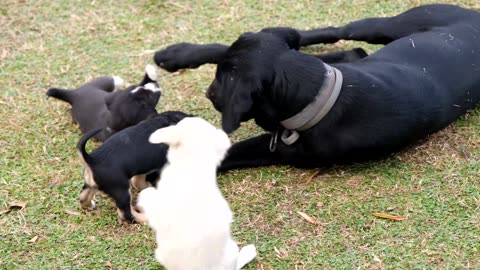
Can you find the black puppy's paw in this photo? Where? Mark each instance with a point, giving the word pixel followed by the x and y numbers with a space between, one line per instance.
pixel 178 56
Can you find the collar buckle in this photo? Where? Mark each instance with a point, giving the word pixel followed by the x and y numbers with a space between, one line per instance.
pixel 273 142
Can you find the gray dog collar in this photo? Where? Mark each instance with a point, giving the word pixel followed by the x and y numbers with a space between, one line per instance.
pixel 316 110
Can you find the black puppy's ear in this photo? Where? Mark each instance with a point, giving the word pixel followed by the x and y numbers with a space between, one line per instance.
pixel 239 104
pixel 289 35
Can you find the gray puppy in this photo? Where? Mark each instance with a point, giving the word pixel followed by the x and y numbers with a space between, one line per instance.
pixel 97 104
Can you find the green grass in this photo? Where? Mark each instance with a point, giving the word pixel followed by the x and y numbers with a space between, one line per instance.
pixel 65 43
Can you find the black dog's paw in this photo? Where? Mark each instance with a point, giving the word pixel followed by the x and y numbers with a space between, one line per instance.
pixel 177 56
pixel 361 53
pixel 355 55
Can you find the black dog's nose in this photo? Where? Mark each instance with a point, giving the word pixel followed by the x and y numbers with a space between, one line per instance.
pixel 210 95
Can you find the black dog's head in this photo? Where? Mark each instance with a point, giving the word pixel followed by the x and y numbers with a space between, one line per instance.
pixel 247 74
pixel 134 104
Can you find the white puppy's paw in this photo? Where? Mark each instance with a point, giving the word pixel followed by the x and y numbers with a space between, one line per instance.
pixel 246 255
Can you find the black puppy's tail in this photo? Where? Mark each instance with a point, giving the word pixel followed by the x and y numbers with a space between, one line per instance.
pixel 82 153
pixel 62 94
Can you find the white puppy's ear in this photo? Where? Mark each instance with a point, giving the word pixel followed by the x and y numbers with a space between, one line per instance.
pixel 168 135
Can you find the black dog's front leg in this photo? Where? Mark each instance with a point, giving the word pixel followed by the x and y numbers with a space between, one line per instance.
pixel 385 30
pixel 187 55
pixel 364 30
pixel 253 152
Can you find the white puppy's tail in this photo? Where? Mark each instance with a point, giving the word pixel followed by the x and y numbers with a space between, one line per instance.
pixel 246 255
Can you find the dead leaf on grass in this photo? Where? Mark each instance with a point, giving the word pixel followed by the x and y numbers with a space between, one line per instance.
pixel 387 216
pixel 72 212
pixel 312 177
pixel 307 218
pixel 377 259
pixel 33 240
pixel 391 208
pixel 13 205
pixel 18 204
pixel 281 253
pixel 464 152
pixel 108 264
pixel 320 204
pixel 178 72
pixel 4 54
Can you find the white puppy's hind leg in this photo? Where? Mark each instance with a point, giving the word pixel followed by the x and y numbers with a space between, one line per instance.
pixel 158 256
pixel 246 255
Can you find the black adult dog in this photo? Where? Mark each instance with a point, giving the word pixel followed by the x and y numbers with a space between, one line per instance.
pixel 96 104
pixel 426 76
pixel 126 156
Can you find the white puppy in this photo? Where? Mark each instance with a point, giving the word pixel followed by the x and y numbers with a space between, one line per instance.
pixel 187 211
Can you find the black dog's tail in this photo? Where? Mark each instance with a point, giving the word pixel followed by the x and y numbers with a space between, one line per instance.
pixel 62 94
pixel 82 153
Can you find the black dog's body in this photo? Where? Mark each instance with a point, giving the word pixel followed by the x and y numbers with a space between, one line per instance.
pixel 96 105
pixel 426 76
pixel 124 155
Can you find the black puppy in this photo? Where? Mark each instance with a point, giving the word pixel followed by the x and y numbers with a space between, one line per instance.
pixel 125 155
pixel 96 104
pixel 426 76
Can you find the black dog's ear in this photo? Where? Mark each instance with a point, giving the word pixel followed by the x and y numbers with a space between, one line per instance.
pixel 234 110
pixel 289 35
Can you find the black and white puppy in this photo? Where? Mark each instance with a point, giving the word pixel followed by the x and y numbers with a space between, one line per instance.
pixel 425 77
pixel 126 156
pixel 96 104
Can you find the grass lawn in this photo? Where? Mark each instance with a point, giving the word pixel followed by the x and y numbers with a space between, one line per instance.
pixel 44 43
